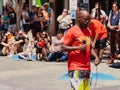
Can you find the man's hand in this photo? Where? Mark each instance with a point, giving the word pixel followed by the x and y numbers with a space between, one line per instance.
pixel 97 61
pixel 83 47
pixel 93 45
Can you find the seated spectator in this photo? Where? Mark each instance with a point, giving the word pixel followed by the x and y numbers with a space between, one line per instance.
pixel 10 41
pixel 27 50
pixel 38 50
pixel 47 38
pixel 40 45
pixel 4 46
pixel 20 40
pixel 56 53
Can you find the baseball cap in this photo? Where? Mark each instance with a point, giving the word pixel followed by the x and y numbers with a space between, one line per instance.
pixel 46 3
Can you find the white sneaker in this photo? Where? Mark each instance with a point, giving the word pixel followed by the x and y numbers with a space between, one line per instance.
pixel 10 55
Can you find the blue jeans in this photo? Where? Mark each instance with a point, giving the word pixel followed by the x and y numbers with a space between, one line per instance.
pixel 57 55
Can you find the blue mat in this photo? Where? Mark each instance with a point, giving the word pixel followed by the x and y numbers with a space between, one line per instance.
pixel 100 76
pixel 17 58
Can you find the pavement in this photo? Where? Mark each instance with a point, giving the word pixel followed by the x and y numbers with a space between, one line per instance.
pixel 41 75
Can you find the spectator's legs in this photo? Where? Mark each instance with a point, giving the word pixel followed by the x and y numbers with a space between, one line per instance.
pixel 112 47
pixel 10 28
pixel 14 28
pixel 44 52
pixel 63 57
pixel 5 50
pixel 52 57
pixel 118 40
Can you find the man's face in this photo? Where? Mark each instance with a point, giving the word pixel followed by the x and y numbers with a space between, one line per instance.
pixel 59 36
pixel 84 21
pixel 20 34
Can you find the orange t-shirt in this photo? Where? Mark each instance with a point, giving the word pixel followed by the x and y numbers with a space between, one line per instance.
pixel 98 28
pixel 78 59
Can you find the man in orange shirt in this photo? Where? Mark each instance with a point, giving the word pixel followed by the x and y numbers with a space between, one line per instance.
pixel 77 42
pixel 99 33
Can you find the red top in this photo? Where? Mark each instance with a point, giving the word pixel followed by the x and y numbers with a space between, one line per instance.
pixel 98 28
pixel 78 59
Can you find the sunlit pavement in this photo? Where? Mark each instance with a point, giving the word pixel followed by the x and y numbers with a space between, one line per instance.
pixel 41 75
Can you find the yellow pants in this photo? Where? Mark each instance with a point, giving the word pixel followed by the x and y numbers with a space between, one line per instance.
pixel 80 80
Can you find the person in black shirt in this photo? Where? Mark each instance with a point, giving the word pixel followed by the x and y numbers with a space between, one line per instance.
pixel 12 20
pixel 20 40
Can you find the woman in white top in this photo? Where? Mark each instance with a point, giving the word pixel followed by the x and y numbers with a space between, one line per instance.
pixel 27 50
pixel 99 14
pixel 64 21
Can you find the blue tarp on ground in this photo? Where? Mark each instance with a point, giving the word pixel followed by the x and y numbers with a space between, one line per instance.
pixel 98 76
pixel 17 58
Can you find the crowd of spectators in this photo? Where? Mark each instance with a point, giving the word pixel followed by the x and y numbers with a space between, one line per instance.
pixel 33 37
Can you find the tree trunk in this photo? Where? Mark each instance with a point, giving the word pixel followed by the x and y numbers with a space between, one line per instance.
pixel 18 10
pixel 18 21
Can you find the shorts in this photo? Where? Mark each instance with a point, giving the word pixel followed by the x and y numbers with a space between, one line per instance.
pixel 101 44
pixel 80 79
pixel 12 28
pixel 38 50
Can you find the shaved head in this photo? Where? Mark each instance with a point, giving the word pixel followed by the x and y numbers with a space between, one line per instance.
pixel 83 18
pixel 83 13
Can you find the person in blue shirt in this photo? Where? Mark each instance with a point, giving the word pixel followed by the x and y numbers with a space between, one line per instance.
pixel 114 31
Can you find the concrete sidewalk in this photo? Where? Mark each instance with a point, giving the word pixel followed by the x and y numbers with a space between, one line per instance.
pixel 40 75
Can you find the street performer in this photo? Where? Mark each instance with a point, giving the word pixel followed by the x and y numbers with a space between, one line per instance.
pixel 77 41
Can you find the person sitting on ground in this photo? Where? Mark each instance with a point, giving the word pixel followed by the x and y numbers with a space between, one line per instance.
pixel 10 41
pixel 4 46
pixel 27 50
pixel 56 53
pixel 20 40
pixel 40 47
pixel 37 50
pixel 48 39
